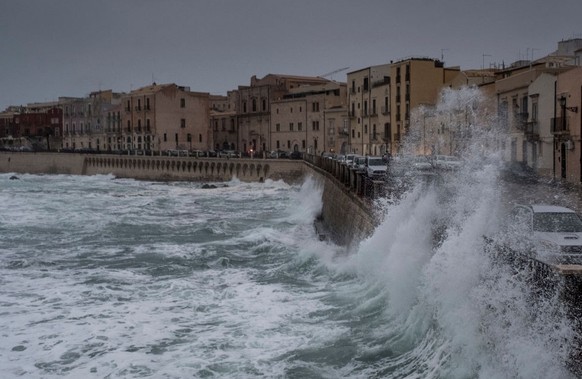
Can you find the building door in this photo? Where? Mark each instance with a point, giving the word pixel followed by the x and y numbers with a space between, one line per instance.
pixel 563 159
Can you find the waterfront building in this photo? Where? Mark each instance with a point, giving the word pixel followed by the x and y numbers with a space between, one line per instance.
pixel 254 108
pixel 526 109
pixel 416 82
pixel 162 117
pixel 224 121
pixel 567 126
pixel 7 126
pixel 369 92
pixel 38 126
pixel 306 118
pixel 88 122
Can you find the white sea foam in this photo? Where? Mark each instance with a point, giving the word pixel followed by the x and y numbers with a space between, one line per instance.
pixel 477 317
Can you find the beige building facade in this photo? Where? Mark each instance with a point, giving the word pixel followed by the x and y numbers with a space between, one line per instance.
pixel 415 82
pixel 369 109
pixel 304 121
pixel 567 126
pixel 254 108
pixel 224 121
pixel 163 117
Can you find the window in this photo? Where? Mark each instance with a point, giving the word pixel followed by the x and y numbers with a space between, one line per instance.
pixel 148 125
pixel 278 127
pixel 315 107
pixel 315 125
pixel 165 137
pixel 303 144
pixel 182 123
pixel 199 137
pixel 244 107
pixel 139 126
pixel 128 126
pixel 277 144
pixel 365 129
pixel 288 144
pixel 366 83
pixel 290 126
pixel 254 105
pixel 176 137
pixel 264 105
pixel 182 103
pixel 300 126
pixel 147 107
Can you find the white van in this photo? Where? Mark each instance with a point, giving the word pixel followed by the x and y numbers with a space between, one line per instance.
pixel 376 167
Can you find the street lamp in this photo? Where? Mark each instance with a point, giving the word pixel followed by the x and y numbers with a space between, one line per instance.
pixel 563 105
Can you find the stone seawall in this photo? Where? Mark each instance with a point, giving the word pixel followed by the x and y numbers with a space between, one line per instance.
pixel 346 216
pixel 153 168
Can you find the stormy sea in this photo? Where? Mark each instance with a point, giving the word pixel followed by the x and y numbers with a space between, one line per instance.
pixel 103 277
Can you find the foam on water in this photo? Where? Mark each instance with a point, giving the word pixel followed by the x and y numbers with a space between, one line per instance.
pixel 451 310
pixel 104 277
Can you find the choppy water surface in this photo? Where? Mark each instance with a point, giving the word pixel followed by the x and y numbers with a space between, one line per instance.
pixel 108 278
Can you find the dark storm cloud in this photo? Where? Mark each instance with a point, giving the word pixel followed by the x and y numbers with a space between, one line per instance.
pixel 72 47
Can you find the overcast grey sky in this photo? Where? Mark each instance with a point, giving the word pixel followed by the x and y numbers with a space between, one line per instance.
pixel 73 47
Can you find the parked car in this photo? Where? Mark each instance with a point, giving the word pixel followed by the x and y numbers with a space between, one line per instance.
pixel 349 159
pixel 550 233
pixel 279 154
pixel 296 155
pixel 422 162
pixel 447 162
pixel 198 153
pixel 376 167
pixel 359 162
pixel 228 154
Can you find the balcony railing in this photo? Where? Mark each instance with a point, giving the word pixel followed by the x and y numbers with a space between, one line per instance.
pixel 520 120
pixel 386 110
pixel 560 125
pixel 343 131
pixel 532 131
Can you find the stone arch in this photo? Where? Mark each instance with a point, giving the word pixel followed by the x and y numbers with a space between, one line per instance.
pixel 266 170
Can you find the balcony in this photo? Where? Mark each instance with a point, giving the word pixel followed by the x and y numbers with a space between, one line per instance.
pixel 352 114
pixel 386 111
pixel 532 131
pixel 560 125
pixel 343 131
pixel 520 120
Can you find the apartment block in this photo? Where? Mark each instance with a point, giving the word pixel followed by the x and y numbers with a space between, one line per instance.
pixel 87 121
pixel 416 82
pixel 567 126
pixel 526 109
pixel 254 108
pixel 303 121
pixel 369 110
pixel 224 121
pixel 164 117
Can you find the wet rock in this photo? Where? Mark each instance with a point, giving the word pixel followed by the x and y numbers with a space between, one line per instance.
pixel 208 186
pixel 14 177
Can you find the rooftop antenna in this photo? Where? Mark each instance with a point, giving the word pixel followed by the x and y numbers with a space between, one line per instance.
pixel 483 65
pixel 443 55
